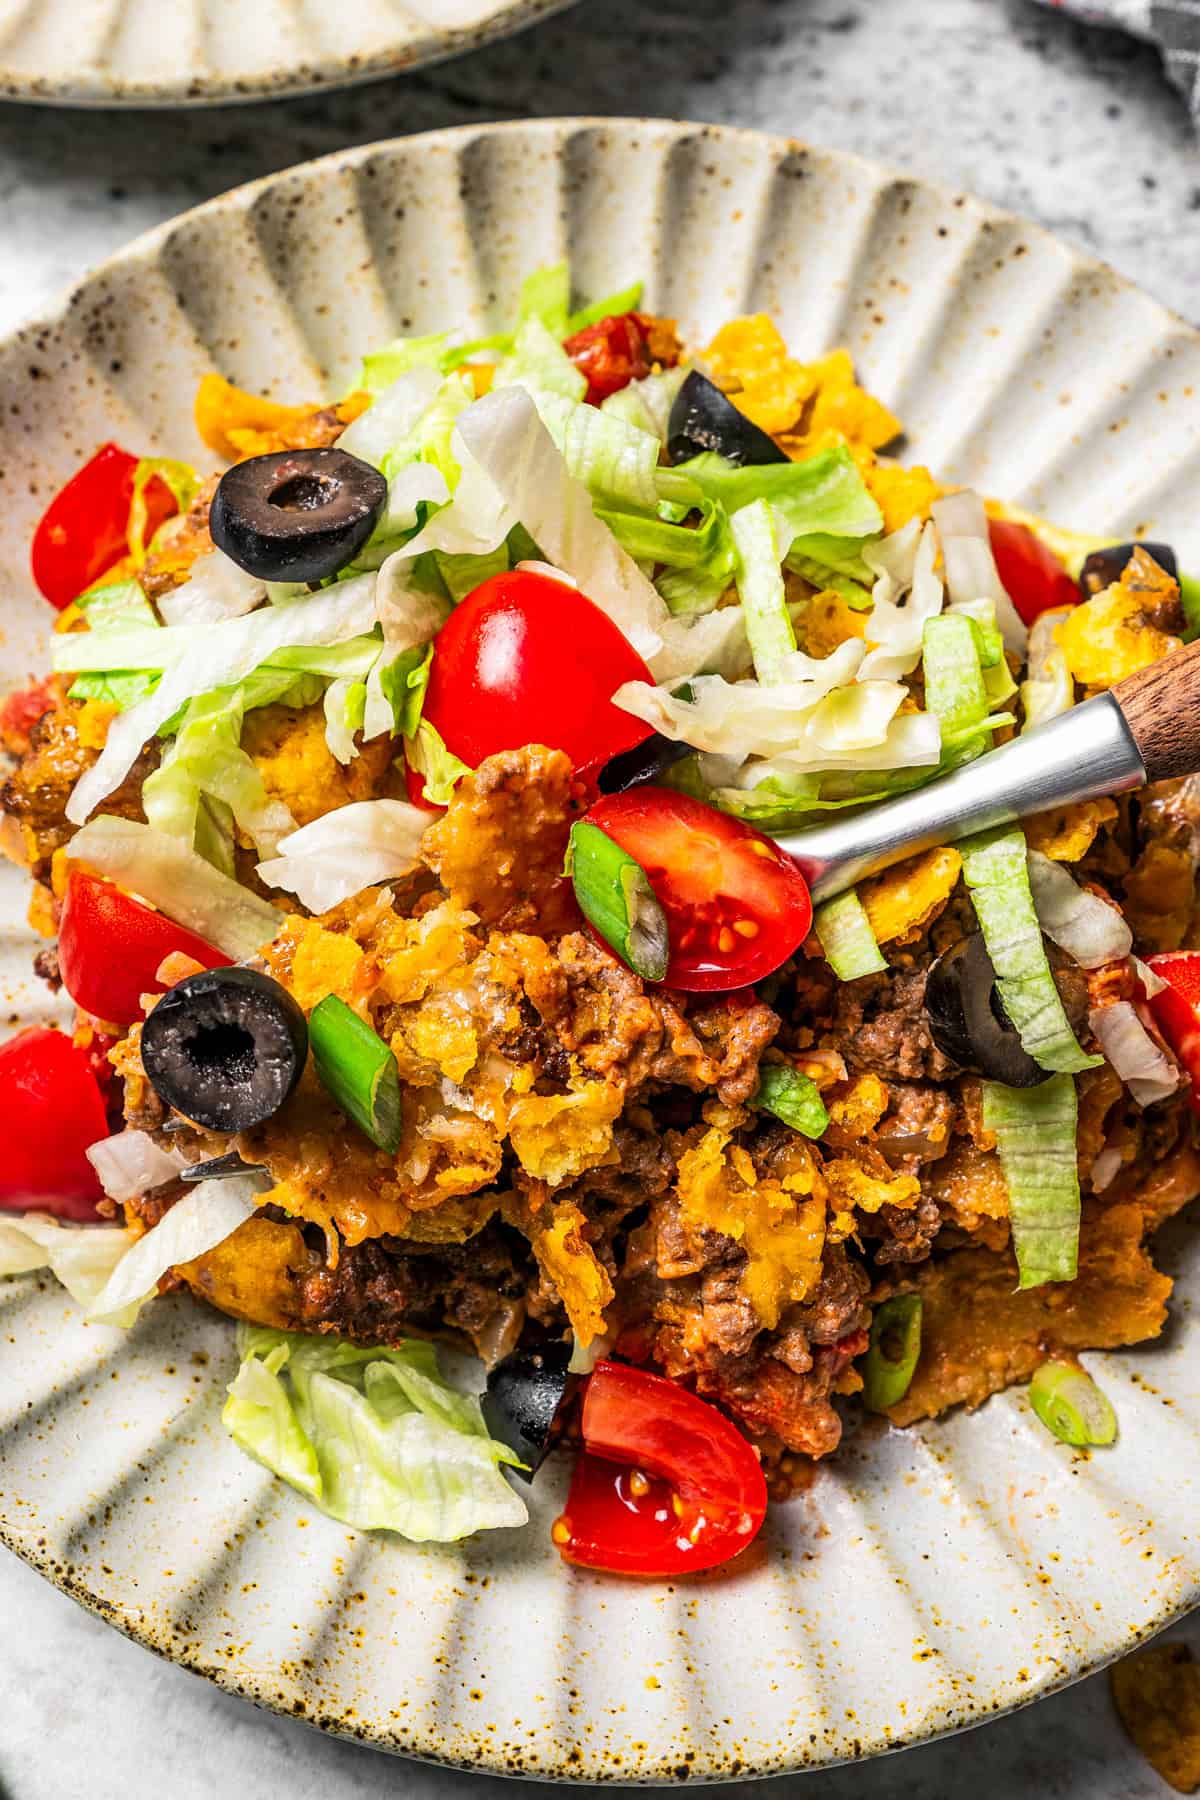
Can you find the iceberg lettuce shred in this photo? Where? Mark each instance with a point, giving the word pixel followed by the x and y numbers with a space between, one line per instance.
pixel 375 1437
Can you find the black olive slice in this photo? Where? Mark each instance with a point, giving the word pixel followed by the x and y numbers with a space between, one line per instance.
pixel 225 1048
pixel 645 762
pixel 703 419
pixel 523 1398
pixel 967 1021
pixel 1103 567
pixel 297 515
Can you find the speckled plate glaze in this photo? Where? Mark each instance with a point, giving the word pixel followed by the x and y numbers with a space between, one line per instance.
pixel 929 1579
pixel 198 52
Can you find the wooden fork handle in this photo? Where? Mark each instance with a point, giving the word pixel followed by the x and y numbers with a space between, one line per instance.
pixel 1161 706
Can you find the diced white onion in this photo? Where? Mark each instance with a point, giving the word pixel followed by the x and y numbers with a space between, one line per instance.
pixel 1146 1070
pixel 1079 922
pixel 130 1163
pixel 344 851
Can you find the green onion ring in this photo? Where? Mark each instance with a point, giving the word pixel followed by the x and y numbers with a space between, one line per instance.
pixel 895 1348
pixel 358 1069
pixel 1069 1404
pixel 615 897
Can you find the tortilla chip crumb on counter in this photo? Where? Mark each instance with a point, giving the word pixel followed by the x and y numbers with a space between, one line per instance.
pixel 1156 1692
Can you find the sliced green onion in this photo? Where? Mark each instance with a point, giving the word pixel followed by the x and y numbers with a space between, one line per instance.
pixel 760 552
pixel 894 1352
pixel 792 1097
pixel 995 869
pixel 1189 594
pixel 358 1069
pixel 1035 1136
pixel 1068 1402
pixel 615 896
pixel 846 937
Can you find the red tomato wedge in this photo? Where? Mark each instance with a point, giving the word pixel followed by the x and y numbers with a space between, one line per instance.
pixel 110 948
pixel 84 529
pixel 1175 1009
pixel 689 1492
pixel 526 659
pixel 736 906
pixel 51 1111
pixel 1035 579
pixel 611 353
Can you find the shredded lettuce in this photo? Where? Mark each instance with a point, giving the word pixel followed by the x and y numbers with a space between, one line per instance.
pixel 538 362
pixel 218 656
pixel 118 606
pixel 206 759
pixel 375 1437
pixel 351 848
pixel 955 683
pixel 173 877
pixel 846 937
pixel 970 567
pixel 216 589
pixel 1078 921
pixel 439 768
pixel 824 493
pixel 906 595
pixel 647 403
pixel 1035 1137
pixel 761 547
pixel 996 872
pixel 111 1272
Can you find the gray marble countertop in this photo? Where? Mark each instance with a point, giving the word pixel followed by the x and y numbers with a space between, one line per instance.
pixel 1078 129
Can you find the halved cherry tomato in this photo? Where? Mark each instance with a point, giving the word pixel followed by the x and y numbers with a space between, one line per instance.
pixel 526 659
pixel 690 1491
pixel 1035 579
pixel 611 353
pixel 110 947
pixel 51 1110
pixel 1175 1009
pixel 736 906
pixel 83 530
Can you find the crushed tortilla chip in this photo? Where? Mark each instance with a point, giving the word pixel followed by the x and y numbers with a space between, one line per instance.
pixel 904 901
pixel 1110 635
pixel 1156 1692
pixel 312 962
pixel 1067 833
pixel 225 415
pixel 828 622
pixel 558 1136
pixel 255 1273
pixel 842 412
pixel 860 1108
pixel 778 1219
pixel 556 1234
pixel 900 493
pixel 749 358
pixel 853 1185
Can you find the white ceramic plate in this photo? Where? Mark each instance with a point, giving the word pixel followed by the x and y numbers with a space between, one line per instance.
pixel 929 1579
pixel 192 52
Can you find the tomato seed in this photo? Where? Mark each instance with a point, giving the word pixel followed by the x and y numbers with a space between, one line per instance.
pixel 745 928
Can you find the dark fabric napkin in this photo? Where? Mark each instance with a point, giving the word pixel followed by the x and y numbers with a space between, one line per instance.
pixel 1174 25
